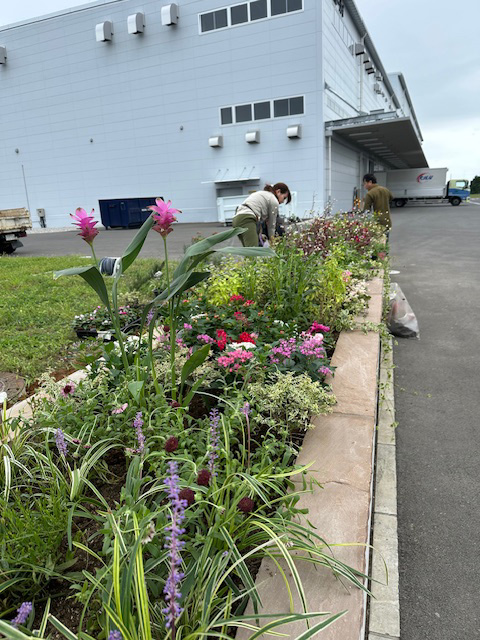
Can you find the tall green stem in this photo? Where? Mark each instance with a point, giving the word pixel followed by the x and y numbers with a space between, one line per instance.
pixel 172 324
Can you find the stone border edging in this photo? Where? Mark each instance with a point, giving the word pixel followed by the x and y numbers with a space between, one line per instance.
pixel 342 448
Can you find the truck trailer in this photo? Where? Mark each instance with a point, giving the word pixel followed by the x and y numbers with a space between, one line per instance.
pixel 423 185
pixel 13 225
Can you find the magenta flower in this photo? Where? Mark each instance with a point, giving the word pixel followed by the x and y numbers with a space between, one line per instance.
pixel 164 217
pixel 86 223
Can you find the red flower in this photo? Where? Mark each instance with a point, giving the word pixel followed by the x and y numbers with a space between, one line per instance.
pixel 246 337
pixel 171 444
pixel 222 339
pixel 203 477
pixel 188 495
pixel 246 505
pixel 247 303
pixel 235 298
pixel 241 317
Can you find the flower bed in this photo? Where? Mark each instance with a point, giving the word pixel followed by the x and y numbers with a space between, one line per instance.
pixel 157 484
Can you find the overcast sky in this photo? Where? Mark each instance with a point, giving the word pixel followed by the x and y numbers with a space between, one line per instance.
pixel 434 43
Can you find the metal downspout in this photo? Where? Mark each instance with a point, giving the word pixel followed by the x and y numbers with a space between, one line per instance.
pixel 328 135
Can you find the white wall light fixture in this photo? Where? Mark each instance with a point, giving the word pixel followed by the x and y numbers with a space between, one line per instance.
pixel 104 31
pixel 294 131
pixel 216 141
pixel 169 14
pixel 252 137
pixel 3 55
pixel 136 23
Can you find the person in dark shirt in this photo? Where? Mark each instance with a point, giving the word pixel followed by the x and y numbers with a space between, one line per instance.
pixel 378 199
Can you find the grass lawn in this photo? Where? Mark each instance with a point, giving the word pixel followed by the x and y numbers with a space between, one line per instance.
pixel 36 311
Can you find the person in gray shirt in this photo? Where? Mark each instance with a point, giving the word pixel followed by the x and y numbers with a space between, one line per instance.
pixel 260 206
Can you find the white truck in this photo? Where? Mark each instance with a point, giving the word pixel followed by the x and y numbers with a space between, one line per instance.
pixel 13 225
pixel 423 185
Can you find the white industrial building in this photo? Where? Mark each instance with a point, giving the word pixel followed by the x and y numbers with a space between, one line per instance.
pixel 199 102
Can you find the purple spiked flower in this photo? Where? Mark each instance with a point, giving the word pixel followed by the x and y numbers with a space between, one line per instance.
pixel 23 612
pixel 246 412
pixel 60 442
pixel 174 545
pixel 214 421
pixel 115 635
pixel 138 424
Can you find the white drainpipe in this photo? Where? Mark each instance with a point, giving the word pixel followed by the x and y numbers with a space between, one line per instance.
pixel 328 135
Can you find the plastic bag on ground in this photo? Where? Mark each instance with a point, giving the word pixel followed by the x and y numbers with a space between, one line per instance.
pixel 401 320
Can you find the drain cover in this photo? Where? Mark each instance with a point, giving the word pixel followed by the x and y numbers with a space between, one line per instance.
pixel 11 384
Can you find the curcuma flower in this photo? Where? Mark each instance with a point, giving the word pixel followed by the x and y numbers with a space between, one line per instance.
pixel 86 223
pixel 60 442
pixel 23 612
pixel 174 545
pixel 164 217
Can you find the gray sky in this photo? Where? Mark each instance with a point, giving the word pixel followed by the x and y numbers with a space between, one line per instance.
pixel 434 43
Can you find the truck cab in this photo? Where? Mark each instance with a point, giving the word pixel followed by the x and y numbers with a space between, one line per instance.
pixel 457 190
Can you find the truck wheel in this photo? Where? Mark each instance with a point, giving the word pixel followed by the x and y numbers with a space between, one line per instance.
pixel 455 201
pixel 399 202
pixel 7 248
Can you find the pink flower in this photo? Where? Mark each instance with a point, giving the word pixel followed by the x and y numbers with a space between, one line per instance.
pixel 234 359
pixel 120 409
pixel 236 298
pixel 68 389
pixel 163 216
pixel 316 327
pixel 86 223
pixel 187 326
pixel 346 275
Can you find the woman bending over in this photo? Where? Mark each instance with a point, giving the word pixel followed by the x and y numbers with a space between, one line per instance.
pixel 261 206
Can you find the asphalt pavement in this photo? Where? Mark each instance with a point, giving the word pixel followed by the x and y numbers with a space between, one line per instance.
pixel 112 242
pixel 436 250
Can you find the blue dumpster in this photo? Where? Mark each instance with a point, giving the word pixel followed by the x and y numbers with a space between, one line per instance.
pixel 125 212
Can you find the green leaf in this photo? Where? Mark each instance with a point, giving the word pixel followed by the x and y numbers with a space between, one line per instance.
pixel 247 252
pixel 205 246
pixel 92 276
pixel 194 362
pixel 8 583
pixel 136 388
pixel 133 249
pixel 12 633
pixel 62 628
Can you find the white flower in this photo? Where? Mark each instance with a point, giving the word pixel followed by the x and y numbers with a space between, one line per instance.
pixel 200 315
pixel 240 345
pixel 3 396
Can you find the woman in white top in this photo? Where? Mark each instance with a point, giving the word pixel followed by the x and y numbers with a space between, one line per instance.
pixel 261 206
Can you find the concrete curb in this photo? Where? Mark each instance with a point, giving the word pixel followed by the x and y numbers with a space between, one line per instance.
pixel 384 607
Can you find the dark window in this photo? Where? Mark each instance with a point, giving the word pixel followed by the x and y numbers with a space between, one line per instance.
pixel 280 108
pixel 220 18
pixel 278 7
pixel 206 21
pixel 294 5
pixel 226 115
pixel 296 106
pixel 261 110
pixel 239 14
pixel 258 9
pixel 243 113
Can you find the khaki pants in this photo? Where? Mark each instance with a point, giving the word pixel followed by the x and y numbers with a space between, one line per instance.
pixel 250 237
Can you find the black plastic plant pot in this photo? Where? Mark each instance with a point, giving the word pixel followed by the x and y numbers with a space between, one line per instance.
pixel 86 333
